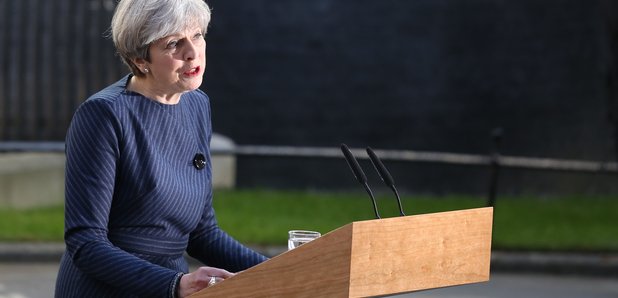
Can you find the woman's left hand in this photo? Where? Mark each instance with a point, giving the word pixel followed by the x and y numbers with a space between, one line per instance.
pixel 200 279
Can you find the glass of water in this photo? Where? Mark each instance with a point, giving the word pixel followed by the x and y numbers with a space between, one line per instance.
pixel 299 237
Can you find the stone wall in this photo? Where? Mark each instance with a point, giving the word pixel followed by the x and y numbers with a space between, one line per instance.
pixel 37 179
pixel 31 179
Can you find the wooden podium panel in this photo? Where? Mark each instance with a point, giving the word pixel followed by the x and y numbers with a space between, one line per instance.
pixel 375 258
pixel 396 255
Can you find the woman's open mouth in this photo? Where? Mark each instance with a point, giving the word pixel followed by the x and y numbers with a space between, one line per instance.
pixel 192 72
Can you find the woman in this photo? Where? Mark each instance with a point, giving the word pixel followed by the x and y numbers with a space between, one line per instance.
pixel 138 171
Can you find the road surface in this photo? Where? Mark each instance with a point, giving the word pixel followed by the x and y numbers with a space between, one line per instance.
pixel 36 280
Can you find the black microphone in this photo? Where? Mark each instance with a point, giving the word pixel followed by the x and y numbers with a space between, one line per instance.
pixel 359 174
pixel 385 175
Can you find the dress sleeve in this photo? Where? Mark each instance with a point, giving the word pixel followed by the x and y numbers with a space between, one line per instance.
pixel 92 152
pixel 207 242
pixel 214 247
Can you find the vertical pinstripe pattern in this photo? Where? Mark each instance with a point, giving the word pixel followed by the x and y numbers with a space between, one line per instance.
pixel 134 200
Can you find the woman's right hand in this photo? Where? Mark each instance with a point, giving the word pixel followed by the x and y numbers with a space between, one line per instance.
pixel 199 279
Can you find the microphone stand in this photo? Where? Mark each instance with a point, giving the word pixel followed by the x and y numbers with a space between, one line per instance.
pixel 359 174
pixel 385 175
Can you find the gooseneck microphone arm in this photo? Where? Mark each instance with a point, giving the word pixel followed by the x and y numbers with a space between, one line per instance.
pixel 359 174
pixel 385 175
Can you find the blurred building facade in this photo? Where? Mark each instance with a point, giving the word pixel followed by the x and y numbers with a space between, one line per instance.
pixel 394 74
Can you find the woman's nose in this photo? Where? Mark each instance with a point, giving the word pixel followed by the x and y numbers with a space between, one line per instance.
pixel 190 51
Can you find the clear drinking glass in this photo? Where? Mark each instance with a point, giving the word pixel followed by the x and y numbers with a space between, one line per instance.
pixel 299 237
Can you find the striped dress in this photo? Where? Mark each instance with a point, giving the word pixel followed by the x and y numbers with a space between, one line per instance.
pixel 135 201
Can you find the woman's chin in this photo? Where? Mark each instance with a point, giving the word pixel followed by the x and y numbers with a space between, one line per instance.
pixel 191 84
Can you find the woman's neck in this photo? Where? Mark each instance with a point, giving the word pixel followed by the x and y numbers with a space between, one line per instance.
pixel 145 86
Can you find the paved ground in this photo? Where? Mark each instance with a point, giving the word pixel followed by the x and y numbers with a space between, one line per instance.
pixel 27 280
pixel 508 285
pixel 29 271
pixel 598 264
pixel 36 280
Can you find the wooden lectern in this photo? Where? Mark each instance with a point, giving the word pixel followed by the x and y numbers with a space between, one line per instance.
pixel 375 258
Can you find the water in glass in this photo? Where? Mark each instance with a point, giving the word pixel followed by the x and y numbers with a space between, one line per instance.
pixel 298 238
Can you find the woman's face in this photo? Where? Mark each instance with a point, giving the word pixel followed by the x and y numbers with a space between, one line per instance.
pixel 177 61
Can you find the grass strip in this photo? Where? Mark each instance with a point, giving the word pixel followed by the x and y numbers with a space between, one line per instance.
pixel 520 223
pixel 32 225
pixel 264 217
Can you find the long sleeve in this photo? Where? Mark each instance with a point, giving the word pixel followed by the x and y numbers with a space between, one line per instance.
pixel 92 153
pixel 212 246
pixel 135 201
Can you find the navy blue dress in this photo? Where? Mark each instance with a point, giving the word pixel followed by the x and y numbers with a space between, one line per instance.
pixel 135 202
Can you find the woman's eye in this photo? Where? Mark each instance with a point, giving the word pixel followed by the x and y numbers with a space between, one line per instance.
pixel 198 36
pixel 172 44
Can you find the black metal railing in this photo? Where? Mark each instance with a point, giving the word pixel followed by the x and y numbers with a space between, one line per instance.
pixel 493 161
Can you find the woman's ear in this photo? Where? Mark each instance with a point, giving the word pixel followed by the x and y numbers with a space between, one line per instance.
pixel 141 64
